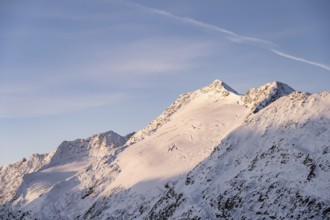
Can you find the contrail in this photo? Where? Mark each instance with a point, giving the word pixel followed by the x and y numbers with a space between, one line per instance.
pixel 323 66
pixel 232 36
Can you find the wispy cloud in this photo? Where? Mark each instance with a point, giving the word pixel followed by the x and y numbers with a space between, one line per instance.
pixel 145 67
pixel 210 27
pixel 279 53
pixel 26 99
pixel 93 83
pixel 149 57
pixel 41 105
pixel 232 36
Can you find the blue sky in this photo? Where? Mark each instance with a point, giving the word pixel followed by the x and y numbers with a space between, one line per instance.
pixel 70 69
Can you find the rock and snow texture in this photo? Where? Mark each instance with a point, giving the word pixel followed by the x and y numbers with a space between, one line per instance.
pixel 217 90
pixel 276 165
pixel 11 175
pixel 212 154
pixel 258 98
pixel 175 142
pixel 49 186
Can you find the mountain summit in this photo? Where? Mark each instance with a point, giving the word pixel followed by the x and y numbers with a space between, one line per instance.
pixel 218 86
pixel 215 91
pixel 212 154
pixel 258 98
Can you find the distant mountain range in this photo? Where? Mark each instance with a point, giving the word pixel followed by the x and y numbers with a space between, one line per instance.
pixel 212 154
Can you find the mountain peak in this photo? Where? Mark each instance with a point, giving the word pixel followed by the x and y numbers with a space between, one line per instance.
pixel 207 139
pixel 259 98
pixel 109 138
pixel 96 146
pixel 282 87
pixel 213 92
pixel 218 86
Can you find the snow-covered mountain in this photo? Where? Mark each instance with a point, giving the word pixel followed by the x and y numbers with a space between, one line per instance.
pixel 212 154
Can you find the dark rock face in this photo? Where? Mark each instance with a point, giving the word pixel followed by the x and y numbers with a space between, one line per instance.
pixel 166 206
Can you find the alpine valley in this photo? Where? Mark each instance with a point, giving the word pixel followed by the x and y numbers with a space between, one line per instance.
pixel 212 154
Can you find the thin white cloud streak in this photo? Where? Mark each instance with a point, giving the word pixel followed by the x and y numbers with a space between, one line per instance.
pixel 36 106
pixel 232 36
pixel 129 67
pixel 148 57
pixel 143 66
pixel 323 66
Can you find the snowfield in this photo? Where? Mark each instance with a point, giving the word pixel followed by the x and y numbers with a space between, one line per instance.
pixel 212 154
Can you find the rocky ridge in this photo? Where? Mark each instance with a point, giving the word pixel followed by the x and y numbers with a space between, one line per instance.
pixel 213 154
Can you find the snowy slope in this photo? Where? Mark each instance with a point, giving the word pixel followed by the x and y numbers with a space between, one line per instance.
pixel 11 175
pixel 208 155
pixel 274 166
pixel 258 98
pixel 63 176
pixel 168 148
pixel 175 142
pixel 211 93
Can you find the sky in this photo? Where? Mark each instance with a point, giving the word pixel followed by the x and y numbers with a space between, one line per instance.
pixel 73 68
